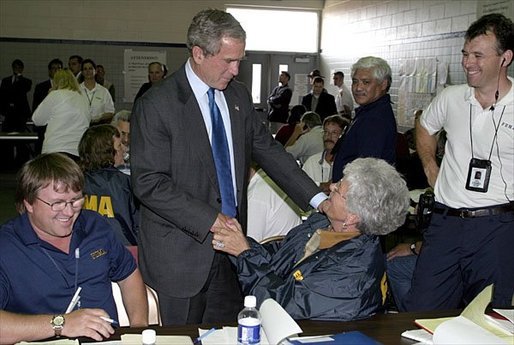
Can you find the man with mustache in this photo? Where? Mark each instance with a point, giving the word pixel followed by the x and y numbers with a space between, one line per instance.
pixel 319 166
pixel 373 131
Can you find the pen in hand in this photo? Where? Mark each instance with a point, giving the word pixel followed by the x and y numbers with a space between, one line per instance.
pixel 109 320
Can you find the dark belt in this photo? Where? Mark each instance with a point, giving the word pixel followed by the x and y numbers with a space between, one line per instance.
pixel 477 212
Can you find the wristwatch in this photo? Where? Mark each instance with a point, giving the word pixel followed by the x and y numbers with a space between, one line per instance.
pixel 57 324
pixel 413 248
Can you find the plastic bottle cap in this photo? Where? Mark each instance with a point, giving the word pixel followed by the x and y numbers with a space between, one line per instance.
pixel 250 301
pixel 148 336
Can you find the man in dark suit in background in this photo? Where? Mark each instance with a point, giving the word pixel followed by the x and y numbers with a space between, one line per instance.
pixel 278 102
pixel 14 105
pixel 178 177
pixel 40 92
pixel 322 103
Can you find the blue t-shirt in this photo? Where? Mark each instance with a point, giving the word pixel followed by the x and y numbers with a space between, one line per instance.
pixel 37 278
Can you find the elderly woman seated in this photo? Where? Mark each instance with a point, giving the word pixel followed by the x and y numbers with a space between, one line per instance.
pixel 329 267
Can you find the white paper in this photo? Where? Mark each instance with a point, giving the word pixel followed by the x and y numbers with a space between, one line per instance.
pixel 419 335
pixel 277 323
pixel 461 331
pixel 135 339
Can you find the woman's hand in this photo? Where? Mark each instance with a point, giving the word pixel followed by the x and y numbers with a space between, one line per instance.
pixel 229 238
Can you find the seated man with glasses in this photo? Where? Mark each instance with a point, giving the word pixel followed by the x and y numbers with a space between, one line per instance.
pixel 57 261
pixel 319 166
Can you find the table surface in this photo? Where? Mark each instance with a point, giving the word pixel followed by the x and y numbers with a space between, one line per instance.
pixel 385 328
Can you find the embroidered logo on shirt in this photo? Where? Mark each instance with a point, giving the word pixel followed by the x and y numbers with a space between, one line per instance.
pixel 298 275
pixel 97 253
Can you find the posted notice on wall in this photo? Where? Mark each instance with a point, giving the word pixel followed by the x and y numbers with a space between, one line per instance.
pixel 135 70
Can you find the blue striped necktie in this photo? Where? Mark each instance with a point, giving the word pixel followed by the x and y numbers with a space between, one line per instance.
pixel 221 157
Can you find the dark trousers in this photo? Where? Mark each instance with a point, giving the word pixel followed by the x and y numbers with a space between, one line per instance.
pixel 459 258
pixel 219 301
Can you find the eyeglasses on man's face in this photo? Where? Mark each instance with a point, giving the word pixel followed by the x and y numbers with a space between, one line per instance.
pixel 57 206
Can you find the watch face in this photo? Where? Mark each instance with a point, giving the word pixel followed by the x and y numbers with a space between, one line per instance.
pixel 58 320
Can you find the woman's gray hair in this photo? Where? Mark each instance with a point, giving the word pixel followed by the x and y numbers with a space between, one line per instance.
pixel 378 194
pixel 381 69
pixel 209 27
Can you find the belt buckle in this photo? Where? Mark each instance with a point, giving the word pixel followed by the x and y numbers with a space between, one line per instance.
pixel 465 214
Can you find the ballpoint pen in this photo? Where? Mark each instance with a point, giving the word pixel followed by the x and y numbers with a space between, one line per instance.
pixel 109 320
pixel 203 336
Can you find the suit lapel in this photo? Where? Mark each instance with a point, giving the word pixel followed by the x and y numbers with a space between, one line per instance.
pixel 193 119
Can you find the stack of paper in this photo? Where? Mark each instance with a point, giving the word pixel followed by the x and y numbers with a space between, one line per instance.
pixel 473 326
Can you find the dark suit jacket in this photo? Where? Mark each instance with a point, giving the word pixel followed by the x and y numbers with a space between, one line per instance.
pixel 326 104
pixel 174 177
pixel 278 102
pixel 40 92
pixel 14 104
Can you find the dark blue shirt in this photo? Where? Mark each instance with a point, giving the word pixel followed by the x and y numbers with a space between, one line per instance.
pixel 37 278
pixel 371 134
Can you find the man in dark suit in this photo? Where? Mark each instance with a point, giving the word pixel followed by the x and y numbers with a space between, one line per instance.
pixel 322 103
pixel 13 99
pixel 279 100
pixel 175 173
pixel 40 92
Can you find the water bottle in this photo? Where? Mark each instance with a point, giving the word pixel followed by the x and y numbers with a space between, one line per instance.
pixel 249 323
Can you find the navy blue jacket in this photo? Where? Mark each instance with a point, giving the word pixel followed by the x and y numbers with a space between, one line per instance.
pixel 337 283
pixel 371 134
pixel 108 192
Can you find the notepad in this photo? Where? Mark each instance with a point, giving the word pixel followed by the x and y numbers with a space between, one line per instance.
pixel 135 339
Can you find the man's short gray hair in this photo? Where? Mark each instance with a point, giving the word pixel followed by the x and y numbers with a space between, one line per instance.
pixel 311 119
pixel 122 115
pixel 381 69
pixel 209 27
pixel 378 194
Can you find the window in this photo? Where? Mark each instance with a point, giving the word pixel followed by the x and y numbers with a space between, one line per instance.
pixel 279 30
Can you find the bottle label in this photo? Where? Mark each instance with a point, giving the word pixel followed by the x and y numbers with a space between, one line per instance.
pixel 248 335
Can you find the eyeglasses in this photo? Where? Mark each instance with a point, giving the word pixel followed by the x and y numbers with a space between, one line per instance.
pixel 61 205
pixel 332 133
pixel 336 190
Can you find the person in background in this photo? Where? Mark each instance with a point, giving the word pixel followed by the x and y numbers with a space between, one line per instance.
pixel 121 121
pixel 40 92
pixel 101 106
pixel 329 267
pixel 278 101
pixel 75 66
pixel 270 211
pixel 65 114
pixel 54 247
pixel 14 105
pixel 285 132
pixel 320 101
pixel 319 165
pixel 156 72
pixel 192 142
pixel 468 244
pixel 100 79
pixel 372 133
pixel 108 190
pixel 344 99
pixel 307 138
pixel 401 262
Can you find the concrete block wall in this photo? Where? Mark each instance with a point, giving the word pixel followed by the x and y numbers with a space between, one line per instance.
pixel 394 30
